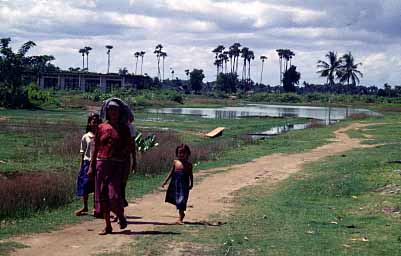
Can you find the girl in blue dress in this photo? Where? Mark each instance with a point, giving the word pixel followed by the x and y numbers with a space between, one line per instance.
pixel 181 181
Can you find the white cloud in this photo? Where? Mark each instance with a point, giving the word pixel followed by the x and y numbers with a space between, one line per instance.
pixel 190 29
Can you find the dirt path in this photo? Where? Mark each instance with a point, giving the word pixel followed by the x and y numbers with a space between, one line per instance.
pixel 149 213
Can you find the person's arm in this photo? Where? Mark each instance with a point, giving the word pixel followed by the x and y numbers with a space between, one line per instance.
pixel 169 175
pixel 92 164
pixel 133 153
pixel 191 177
pixel 82 150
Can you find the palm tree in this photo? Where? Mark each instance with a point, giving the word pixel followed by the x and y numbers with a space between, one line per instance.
pixel 330 69
pixel 250 57
pixel 235 51
pixel 217 51
pixel 280 53
pixel 262 58
pixel 244 55
pixel 108 47
pixel 287 55
pixel 187 73
pixel 172 74
pixel 142 53
pixel 158 51
pixel 136 55
pixel 349 70
pixel 163 55
pixel 87 50
pixel 82 51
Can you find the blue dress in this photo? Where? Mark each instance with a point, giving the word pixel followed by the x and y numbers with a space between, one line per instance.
pixel 85 185
pixel 178 190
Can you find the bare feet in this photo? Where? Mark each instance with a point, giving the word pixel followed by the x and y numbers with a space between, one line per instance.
pixel 83 211
pixel 105 231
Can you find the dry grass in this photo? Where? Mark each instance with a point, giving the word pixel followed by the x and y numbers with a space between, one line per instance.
pixel 23 192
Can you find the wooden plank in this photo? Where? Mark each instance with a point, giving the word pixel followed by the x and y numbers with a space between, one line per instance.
pixel 216 132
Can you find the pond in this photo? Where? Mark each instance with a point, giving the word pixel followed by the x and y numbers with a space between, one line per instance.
pixel 319 115
pixel 327 114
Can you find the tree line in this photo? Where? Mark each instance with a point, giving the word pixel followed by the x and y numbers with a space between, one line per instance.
pixel 233 71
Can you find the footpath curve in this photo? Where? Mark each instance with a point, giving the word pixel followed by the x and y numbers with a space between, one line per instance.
pixel 149 213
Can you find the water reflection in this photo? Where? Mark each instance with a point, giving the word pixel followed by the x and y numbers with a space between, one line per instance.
pixel 261 110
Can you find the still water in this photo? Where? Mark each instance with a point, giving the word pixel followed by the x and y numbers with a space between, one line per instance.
pixel 322 115
pixel 327 114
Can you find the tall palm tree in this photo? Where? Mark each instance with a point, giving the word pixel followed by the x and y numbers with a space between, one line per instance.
pixel 250 57
pixel 244 55
pixel 108 47
pixel 349 70
pixel 82 51
pixel 142 53
pixel 87 50
pixel 262 58
pixel 235 51
pixel 330 69
pixel 280 53
pixel 158 51
pixel 217 51
pixel 286 55
pixel 163 55
pixel 136 55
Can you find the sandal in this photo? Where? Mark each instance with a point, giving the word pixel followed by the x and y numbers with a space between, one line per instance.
pixel 105 231
pixel 123 223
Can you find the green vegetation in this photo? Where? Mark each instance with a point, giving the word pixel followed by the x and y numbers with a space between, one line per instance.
pixel 347 204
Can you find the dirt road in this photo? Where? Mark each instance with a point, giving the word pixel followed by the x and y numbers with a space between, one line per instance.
pixel 149 213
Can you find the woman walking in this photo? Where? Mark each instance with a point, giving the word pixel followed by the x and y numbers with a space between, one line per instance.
pixel 113 145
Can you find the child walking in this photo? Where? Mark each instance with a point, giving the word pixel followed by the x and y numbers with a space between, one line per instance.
pixel 181 181
pixel 85 184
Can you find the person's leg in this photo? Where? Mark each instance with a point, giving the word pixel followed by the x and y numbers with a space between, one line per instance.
pixel 108 229
pixel 181 214
pixel 84 210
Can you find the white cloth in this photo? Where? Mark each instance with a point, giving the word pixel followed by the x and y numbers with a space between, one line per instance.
pixel 87 145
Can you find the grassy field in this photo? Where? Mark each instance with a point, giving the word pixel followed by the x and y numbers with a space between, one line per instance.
pixel 37 141
pixel 345 205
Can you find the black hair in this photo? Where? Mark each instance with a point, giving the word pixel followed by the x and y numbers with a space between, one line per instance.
pixel 92 116
pixel 183 147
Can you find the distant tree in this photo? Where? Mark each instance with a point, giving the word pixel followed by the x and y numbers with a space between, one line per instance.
pixel 349 70
pixel 244 55
pixel 82 51
pixel 227 83
pixel 158 53
pixel 286 55
pixel 262 58
pixel 235 51
pixel 87 50
pixel 331 69
pixel 196 79
pixel 15 67
pixel 290 78
pixel 123 71
pixel 142 55
pixel 217 51
pixel 108 47
pixel 136 55
pixel 251 56
pixel 187 73
pixel 163 55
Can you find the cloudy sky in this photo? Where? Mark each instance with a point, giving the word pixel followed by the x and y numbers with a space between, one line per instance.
pixel 190 29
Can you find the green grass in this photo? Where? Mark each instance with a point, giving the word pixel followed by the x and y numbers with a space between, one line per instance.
pixel 329 203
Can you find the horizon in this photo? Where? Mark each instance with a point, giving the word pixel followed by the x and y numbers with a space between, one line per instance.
pixel 190 31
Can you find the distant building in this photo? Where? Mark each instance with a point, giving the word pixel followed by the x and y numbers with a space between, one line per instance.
pixel 85 81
